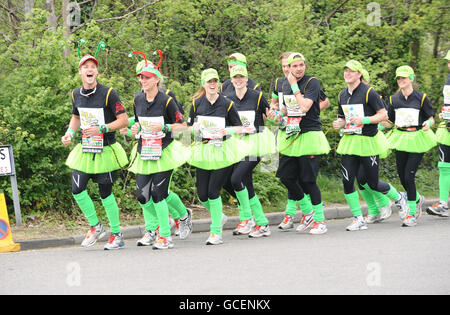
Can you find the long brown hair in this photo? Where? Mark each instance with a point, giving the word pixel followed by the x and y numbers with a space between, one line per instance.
pixel 200 93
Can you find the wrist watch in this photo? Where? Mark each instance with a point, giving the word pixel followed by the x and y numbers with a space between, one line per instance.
pixel 103 129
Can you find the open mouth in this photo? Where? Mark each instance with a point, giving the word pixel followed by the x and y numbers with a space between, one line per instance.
pixel 90 76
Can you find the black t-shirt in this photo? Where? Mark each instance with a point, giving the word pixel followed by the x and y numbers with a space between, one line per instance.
pixel 252 101
pixel 222 107
pixel 310 89
pixel 227 87
pixel 162 106
pixel 280 82
pixel 359 96
pixel 103 98
pixel 171 94
pixel 414 101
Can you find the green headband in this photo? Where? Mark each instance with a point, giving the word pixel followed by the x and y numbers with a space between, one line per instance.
pixel 295 57
pixel 237 63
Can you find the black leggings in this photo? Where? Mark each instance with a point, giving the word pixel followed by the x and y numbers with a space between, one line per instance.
pixel 105 182
pixel 210 182
pixel 444 153
pixel 350 167
pixel 241 177
pixel 407 166
pixel 155 186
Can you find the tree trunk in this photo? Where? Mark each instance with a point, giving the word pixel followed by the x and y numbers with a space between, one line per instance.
pixel 66 23
pixel 29 6
pixel 51 19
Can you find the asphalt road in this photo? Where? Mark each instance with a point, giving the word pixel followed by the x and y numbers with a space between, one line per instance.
pixel 386 259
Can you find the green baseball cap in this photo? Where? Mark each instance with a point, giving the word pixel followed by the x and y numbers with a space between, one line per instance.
pixel 208 75
pixel 448 55
pixel 405 72
pixel 295 57
pixel 354 66
pixel 366 76
pixel 237 59
pixel 238 70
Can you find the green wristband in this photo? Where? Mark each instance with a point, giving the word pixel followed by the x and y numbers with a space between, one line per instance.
pixel 366 121
pixel 295 88
pixel 230 131
pixel 131 121
pixel 71 132
pixel 430 123
pixel 129 134
pixel 274 96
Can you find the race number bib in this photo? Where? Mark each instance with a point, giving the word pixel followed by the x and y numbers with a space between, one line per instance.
pixel 91 117
pixel 293 125
pixel 446 113
pixel 210 128
pixel 248 120
pixel 406 117
pixel 151 149
pixel 292 107
pixel 352 111
pixel 447 94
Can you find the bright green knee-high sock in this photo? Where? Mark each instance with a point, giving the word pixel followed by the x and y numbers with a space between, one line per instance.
pixel 353 202
pixel 305 205
pixel 370 201
pixel 176 207
pixel 291 207
pixel 150 217
pixel 162 211
pixel 444 181
pixel 319 215
pixel 204 203
pixel 112 212
pixel 215 208
pixel 382 199
pixel 87 207
pixel 258 211
pixel 412 207
pixel 244 210
pixel 392 193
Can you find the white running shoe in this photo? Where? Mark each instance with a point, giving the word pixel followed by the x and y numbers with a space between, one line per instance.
pixel 260 231
pixel 419 206
pixel 402 206
pixel 93 235
pixel 370 219
pixel 243 228
pixel 410 221
pixel 358 224
pixel 148 239
pixel 306 222
pixel 115 242
pixel 214 239
pixel 224 219
pixel 318 228
pixel 386 212
pixel 287 223
pixel 186 226
pixel 163 243
pixel 439 208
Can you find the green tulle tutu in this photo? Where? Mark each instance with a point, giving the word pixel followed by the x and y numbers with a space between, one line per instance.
pixel 443 134
pixel 261 143
pixel 412 141
pixel 308 143
pixel 211 157
pixel 173 156
pixel 364 145
pixel 111 159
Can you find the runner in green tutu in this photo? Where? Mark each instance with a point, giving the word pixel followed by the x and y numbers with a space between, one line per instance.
pixel 251 106
pixel 412 114
pixel 98 111
pixel 301 144
pixel 360 110
pixel 214 121
pixel 443 138
pixel 157 154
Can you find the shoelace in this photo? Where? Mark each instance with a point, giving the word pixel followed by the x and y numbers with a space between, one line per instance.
pixel 243 223
pixel 286 219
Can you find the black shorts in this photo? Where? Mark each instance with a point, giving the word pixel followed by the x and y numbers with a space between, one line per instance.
pixel 306 168
pixel 444 153
pixel 103 178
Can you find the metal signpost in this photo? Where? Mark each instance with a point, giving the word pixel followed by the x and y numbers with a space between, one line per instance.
pixel 7 168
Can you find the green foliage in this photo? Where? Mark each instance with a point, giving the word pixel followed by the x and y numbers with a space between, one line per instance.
pixel 36 79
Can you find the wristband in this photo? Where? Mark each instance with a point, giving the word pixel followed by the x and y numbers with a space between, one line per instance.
pixel 169 127
pixel 295 88
pixel 274 96
pixel 131 121
pixel 366 121
pixel 298 92
pixel 430 123
pixel 129 134
pixel 71 132
pixel 230 131
pixel 103 129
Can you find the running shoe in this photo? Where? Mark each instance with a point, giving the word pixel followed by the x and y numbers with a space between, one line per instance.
pixel 439 209
pixel 93 235
pixel 148 239
pixel 214 239
pixel 287 223
pixel 186 225
pixel 419 206
pixel 410 221
pixel 386 212
pixel 402 206
pixel 306 222
pixel 370 219
pixel 260 231
pixel 358 224
pixel 115 242
pixel 243 228
pixel 163 243
pixel 318 228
